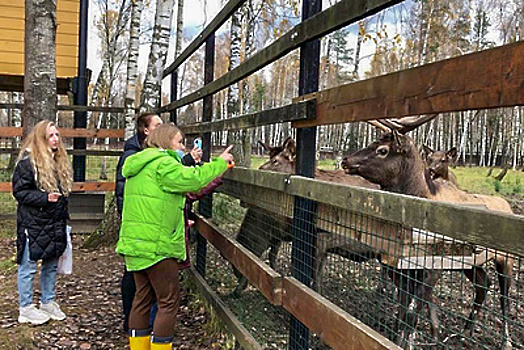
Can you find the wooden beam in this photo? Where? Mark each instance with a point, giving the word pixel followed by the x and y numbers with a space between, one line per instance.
pixel 293 112
pixel 265 279
pixel 339 15
pixel 10 131
pixel 486 79
pixel 74 108
pixel 15 83
pixel 336 327
pixel 234 326
pixel 78 152
pixel 210 29
pixel 77 186
pixel 92 133
pixel 472 224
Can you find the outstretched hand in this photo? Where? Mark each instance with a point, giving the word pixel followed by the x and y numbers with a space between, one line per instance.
pixel 228 157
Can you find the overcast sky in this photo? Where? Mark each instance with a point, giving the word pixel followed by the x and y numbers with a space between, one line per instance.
pixel 193 22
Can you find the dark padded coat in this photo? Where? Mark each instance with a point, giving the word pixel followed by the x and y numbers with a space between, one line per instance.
pixel 44 221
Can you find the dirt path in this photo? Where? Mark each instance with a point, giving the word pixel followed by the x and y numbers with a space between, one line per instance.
pixel 91 299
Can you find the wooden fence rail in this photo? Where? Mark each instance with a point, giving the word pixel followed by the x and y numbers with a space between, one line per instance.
pixel 335 326
pixel 478 226
pixel 12 131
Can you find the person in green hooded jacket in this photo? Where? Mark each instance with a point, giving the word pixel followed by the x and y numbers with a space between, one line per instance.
pixel 152 230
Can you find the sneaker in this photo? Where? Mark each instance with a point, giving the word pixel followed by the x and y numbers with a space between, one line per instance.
pixel 53 310
pixel 30 314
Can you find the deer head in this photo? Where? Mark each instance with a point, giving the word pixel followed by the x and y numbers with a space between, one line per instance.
pixel 281 158
pixel 439 161
pixel 393 162
pixel 273 151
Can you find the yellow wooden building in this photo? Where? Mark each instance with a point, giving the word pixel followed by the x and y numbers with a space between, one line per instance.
pixel 12 16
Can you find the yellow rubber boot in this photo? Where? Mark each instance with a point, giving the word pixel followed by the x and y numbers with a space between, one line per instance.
pixel 140 343
pixel 161 346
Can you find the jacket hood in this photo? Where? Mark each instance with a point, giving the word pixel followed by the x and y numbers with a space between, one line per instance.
pixel 132 144
pixel 135 163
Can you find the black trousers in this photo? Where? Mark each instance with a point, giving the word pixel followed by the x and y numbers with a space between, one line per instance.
pixel 128 289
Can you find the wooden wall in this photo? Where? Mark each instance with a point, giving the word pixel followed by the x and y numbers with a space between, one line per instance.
pixel 12 37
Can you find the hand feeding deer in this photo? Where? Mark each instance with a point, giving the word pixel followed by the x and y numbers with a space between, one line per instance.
pixel 396 165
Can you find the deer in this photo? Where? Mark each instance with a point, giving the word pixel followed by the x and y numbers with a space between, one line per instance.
pixel 394 163
pixel 439 161
pixel 263 231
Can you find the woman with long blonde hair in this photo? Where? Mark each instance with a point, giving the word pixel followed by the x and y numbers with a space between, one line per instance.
pixel 41 185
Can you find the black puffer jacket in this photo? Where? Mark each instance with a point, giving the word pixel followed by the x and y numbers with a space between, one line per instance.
pixel 44 221
pixel 131 147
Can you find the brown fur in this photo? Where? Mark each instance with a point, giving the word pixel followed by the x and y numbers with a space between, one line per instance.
pixel 439 162
pixel 395 164
pixel 261 230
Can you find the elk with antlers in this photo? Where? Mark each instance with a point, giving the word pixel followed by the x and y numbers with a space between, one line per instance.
pixel 395 163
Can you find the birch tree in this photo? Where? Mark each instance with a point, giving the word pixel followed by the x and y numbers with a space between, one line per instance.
pixel 132 66
pixel 150 99
pixel 40 67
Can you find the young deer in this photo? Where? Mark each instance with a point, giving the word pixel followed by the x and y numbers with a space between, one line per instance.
pixel 438 163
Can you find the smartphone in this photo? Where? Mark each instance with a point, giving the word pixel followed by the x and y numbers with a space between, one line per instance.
pixel 198 142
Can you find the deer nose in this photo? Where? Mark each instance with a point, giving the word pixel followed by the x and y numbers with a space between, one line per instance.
pixel 348 165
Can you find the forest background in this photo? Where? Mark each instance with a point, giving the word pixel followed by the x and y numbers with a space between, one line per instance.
pixel 412 33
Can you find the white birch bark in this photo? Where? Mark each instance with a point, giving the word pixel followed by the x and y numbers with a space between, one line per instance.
pixel 463 139
pixel 132 66
pixel 150 99
pixel 40 62
pixel 517 133
pixel 234 61
pixel 233 90
pixel 179 27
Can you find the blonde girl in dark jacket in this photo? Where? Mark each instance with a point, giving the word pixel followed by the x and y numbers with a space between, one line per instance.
pixel 41 185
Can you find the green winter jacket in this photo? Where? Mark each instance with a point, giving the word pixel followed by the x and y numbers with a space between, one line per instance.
pixel 152 226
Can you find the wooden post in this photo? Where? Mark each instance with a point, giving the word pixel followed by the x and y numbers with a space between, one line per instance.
pixel 206 204
pixel 80 94
pixel 174 80
pixel 304 233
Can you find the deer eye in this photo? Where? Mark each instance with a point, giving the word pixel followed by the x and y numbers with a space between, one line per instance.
pixel 382 151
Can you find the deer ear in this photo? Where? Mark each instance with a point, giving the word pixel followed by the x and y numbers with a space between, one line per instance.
pixel 264 146
pixel 290 146
pixel 427 150
pixel 452 154
pixel 397 138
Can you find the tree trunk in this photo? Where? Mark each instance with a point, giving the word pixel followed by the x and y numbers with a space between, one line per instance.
pixel 132 66
pixel 233 90
pixel 150 99
pixel 40 66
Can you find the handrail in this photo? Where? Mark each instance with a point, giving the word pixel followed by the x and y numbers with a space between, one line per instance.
pixel 337 16
pixel 211 28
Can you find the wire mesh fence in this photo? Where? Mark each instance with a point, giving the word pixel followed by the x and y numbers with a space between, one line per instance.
pixel 418 288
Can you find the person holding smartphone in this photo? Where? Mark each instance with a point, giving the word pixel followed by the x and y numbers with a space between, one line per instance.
pixel 152 231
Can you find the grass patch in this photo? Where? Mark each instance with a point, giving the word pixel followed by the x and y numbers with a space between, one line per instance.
pixel 474 180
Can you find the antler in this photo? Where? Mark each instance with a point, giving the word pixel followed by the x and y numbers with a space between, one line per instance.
pixel 402 125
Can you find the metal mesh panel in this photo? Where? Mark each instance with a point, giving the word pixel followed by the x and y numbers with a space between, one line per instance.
pixel 420 289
